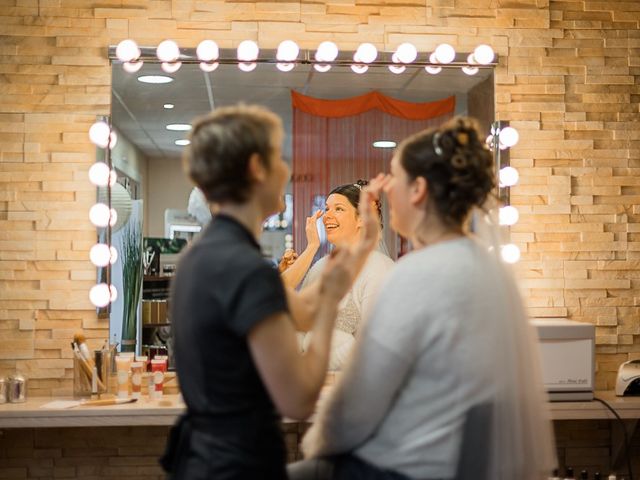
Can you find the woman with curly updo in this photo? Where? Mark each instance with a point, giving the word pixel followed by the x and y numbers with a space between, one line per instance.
pixel 447 354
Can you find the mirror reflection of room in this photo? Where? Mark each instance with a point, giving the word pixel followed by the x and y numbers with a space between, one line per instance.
pixel 332 138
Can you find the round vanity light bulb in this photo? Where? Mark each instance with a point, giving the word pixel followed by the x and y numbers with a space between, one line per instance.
pixel 322 68
pixel 183 142
pixel 484 54
pixel 433 70
pixel 127 51
pixel 407 52
pixel 394 57
pixel 327 52
pixel 113 293
pixel 433 58
pixel 132 67
pixel 113 258
pixel 208 67
pixel 247 67
pixel 471 59
pixel 285 67
pixel 99 174
pixel 288 51
pixel 508 176
pixel 113 217
pixel 397 69
pixel 359 68
pixel 100 255
pixel 509 215
pixel 168 51
pixel 207 51
pixel 99 215
pixel 99 134
pixel 510 253
pixel 367 52
pixel 509 136
pixel 170 67
pixel 248 51
pixel 113 177
pixel 470 70
pixel 445 53
pixel 100 295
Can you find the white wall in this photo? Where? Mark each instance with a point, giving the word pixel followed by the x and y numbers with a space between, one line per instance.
pixel 167 186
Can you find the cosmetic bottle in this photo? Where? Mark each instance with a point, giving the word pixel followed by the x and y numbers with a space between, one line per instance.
pixel 123 365
pixel 136 379
pixel 158 368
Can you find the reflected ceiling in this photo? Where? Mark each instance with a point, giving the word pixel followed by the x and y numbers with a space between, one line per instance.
pixel 137 108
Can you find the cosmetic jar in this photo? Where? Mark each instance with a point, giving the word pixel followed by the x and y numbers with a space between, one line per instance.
pixel 17 388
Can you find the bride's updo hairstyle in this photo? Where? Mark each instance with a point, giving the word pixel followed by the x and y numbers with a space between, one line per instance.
pixel 456 163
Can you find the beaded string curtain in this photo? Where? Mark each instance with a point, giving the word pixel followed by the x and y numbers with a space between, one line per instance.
pixel 332 145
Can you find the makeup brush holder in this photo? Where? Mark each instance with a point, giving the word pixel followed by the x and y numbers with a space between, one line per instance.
pixel 83 382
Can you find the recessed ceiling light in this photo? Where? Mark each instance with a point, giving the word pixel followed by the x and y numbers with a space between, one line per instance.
pixel 182 142
pixel 179 127
pixel 384 144
pixel 168 106
pixel 155 79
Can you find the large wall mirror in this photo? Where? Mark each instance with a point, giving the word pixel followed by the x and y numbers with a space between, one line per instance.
pixel 147 158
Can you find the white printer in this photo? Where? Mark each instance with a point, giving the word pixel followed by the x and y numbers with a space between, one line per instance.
pixel 567 351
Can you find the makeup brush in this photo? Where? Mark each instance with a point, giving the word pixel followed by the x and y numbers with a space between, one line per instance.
pixel 80 340
pixel 107 401
pixel 86 368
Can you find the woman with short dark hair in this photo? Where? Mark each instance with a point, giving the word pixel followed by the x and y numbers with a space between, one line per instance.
pixel 235 346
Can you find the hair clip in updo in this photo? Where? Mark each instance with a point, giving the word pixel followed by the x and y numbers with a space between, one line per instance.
pixel 358 186
pixel 436 144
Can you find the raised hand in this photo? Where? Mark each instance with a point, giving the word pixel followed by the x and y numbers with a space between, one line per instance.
pixel 368 216
pixel 311 229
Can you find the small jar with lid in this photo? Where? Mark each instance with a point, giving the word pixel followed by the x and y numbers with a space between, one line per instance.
pixel 17 388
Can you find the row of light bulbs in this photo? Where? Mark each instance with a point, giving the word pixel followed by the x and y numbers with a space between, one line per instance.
pixel 508 215
pixel 101 214
pixel 288 52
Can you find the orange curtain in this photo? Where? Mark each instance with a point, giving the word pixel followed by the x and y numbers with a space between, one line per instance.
pixel 332 145
pixel 372 101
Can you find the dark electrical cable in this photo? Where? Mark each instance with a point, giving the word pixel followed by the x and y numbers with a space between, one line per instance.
pixel 627 445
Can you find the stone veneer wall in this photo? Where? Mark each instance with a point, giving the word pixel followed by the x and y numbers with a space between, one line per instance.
pixel 567 79
pixel 133 452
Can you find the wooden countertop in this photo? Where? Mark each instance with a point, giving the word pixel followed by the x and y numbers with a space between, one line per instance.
pixel 165 411
pixel 143 412
pixel 627 408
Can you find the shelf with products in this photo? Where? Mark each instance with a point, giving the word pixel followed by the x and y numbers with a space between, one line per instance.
pixel 156 322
